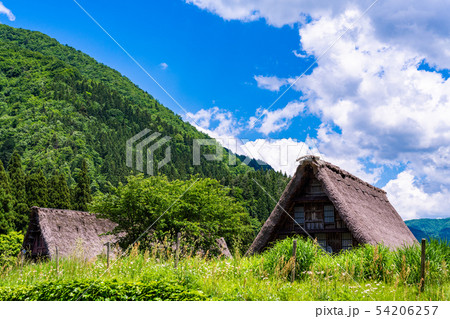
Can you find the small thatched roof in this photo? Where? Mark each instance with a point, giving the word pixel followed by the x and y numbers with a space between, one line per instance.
pixel 364 208
pixel 70 231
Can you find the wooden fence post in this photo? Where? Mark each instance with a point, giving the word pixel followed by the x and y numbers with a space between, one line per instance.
pixel 22 253
pixel 422 266
pixel 177 251
pixel 108 248
pixel 294 254
pixel 57 261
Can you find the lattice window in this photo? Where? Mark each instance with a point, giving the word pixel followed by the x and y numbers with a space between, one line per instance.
pixel 299 215
pixel 329 214
pixel 316 187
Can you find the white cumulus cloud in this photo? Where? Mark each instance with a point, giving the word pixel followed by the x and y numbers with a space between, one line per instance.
pixel 271 83
pixel 377 105
pixel 419 25
pixel 269 121
pixel 5 10
pixel 217 123
pixel 411 201
pixel 281 154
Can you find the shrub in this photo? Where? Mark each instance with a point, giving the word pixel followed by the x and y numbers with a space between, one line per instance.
pixel 100 291
pixel 10 245
pixel 279 261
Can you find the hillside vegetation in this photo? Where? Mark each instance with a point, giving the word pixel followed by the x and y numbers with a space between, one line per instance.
pixel 60 107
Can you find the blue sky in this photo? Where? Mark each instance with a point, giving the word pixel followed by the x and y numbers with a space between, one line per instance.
pixel 211 62
pixel 375 103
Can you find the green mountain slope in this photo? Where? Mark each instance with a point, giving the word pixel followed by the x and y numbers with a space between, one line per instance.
pixel 59 106
pixel 430 228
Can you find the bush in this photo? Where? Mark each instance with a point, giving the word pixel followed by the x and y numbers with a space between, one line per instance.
pixel 91 290
pixel 10 245
pixel 279 261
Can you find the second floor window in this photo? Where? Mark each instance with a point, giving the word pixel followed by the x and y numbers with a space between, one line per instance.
pixel 328 214
pixel 299 215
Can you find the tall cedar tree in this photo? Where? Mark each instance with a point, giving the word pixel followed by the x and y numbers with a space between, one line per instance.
pixel 58 192
pixel 82 193
pixel 36 187
pixel 6 203
pixel 17 183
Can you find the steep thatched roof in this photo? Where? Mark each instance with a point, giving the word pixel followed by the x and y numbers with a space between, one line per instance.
pixel 70 231
pixel 364 208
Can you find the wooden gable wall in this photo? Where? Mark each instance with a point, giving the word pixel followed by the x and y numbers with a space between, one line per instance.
pixel 313 212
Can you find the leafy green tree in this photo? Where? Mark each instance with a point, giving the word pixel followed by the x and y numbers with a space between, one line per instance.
pixel 82 193
pixel 58 192
pixel 6 203
pixel 201 209
pixel 18 191
pixel 10 245
pixel 36 187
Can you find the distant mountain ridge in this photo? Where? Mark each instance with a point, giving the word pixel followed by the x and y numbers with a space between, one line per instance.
pixel 430 228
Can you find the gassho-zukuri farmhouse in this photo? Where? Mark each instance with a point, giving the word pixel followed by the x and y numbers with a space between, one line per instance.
pixel 336 208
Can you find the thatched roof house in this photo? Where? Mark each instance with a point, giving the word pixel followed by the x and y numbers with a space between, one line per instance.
pixel 73 232
pixel 335 207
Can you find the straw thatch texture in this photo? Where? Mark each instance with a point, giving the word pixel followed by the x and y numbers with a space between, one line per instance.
pixel 73 232
pixel 364 208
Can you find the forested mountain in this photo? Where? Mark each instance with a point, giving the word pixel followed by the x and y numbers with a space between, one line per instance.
pixel 58 107
pixel 430 228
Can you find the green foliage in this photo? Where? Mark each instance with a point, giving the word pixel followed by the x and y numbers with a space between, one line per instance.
pixel 82 193
pixel 58 192
pixel 90 290
pixel 17 182
pixel 328 277
pixel 259 201
pixel 437 260
pixel 10 245
pixel 17 178
pixel 279 260
pixel 36 187
pixel 201 209
pixel 6 203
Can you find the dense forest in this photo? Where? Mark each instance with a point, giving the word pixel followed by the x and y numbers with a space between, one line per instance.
pixel 65 115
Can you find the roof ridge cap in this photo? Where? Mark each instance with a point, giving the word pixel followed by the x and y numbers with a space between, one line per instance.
pixel 59 209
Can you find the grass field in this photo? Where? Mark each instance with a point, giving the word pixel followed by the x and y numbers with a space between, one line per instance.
pixel 365 273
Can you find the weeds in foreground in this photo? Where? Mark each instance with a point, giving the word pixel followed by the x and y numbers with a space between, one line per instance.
pixel 365 273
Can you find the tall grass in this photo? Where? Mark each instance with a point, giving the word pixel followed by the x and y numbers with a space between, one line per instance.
pixel 364 273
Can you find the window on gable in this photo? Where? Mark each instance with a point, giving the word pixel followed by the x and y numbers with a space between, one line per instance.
pixel 316 187
pixel 329 214
pixel 299 215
